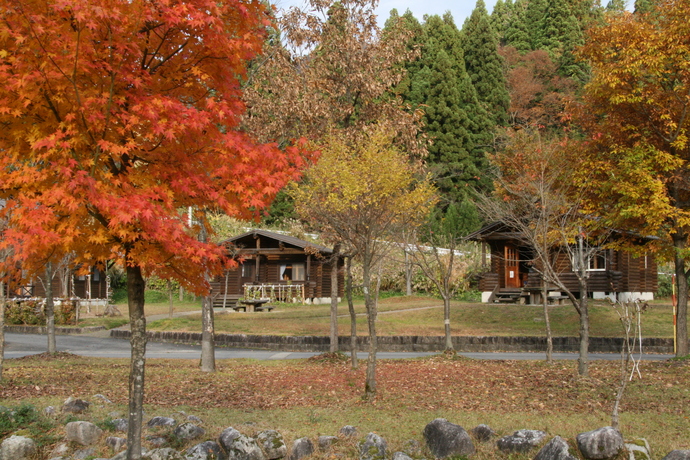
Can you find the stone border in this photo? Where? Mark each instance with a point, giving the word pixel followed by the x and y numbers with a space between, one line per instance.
pixel 58 329
pixel 404 343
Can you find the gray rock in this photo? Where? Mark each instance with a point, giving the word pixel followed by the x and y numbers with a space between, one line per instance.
pixel 677 455
pixel 302 447
pixel 556 449
pixel 84 433
pixel 188 431
pixel 227 436
pixel 413 448
pixel 60 450
pixel 208 450
pixel 348 431
pixel 600 444
pixel 445 439
pixel 115 443
pixel 161 421
pixel 165 453
pixel 401 456
pixel 83 454
pixel 17 448
pixel 120 424
pixel 102 398
pixel 638 449
pixel 325 442
pixel 272 443
pixel 372 448
pixel 521 441
pixel 157 441
pixel 194 418
pixel 75 406
pixel 483 433
pixel 244 448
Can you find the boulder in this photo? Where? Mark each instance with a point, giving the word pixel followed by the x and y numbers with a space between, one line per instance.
pixel 227 436
pixel 302 447
pixel 102 398
pixel 83 454
pixel 157 441
pixel 677 455
pixel 638 449
pixel 401 456
pixel 483 433
pixel 413 448
pixel 84 433
pixel 325 442
pixel 600 444
pixel 521 441
pixel 17 448
pixel 120 424
pixel 161 421
pixel 208 450
pixel 244 448
pixel 348 431
pixel 188 431
pixel 165 453
pixel 272 443
pixel 115 443
pixel 372 448
pixel 75 406
pixel 556 449
pixel 445 439
pixel 195 419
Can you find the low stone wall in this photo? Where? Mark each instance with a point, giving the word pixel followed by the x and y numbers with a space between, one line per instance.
pixel 404 343
pixel 58 329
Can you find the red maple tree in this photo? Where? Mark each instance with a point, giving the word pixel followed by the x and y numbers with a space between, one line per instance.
pixel 118 115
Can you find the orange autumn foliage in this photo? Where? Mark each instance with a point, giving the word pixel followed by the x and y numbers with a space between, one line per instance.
pixel 117 116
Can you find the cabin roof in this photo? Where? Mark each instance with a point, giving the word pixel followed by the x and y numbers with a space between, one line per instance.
pixel 285 239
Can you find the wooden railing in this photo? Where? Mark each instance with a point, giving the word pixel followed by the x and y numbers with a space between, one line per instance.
pixel 289 293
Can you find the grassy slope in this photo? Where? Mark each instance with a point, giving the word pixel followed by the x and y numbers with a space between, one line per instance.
pixel 424 316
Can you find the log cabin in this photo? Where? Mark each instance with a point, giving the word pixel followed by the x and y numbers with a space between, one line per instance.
pixel 276 266
pixel 510 274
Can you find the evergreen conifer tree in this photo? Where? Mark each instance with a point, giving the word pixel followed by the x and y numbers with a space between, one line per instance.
pixel 484 65
pixel 517 34
pixel 500 18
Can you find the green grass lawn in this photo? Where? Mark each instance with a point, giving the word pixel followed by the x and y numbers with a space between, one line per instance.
pixel 419 315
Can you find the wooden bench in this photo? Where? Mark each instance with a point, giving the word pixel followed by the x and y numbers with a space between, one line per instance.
pixel 250 305
pixel 556 299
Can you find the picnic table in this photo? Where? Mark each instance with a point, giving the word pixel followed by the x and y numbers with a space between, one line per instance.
pixel 251 305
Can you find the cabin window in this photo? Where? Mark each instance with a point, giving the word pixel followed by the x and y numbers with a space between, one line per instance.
pixel 597 261
pixel 247 270
pixel 95 274
pixel 292 272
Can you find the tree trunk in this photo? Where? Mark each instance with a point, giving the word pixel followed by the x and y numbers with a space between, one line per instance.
pixel 334 298
pixel 547 321
pixel 50 309
pixel 679 243
pixel 371 306
pixel 137 324
pixel 208 349
pixel 181 294
pixel 170 299
pixel 353 315
pixel 408 274
pixel 446 322
pixel 2 327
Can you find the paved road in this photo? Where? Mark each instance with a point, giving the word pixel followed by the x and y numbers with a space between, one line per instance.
pixel 97 346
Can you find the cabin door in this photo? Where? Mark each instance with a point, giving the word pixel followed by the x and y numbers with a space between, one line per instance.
pixel 512 258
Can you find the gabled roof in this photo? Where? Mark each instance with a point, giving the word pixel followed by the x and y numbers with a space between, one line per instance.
pixel 285 239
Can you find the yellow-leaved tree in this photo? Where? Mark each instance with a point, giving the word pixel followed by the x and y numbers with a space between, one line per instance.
pixel 362 195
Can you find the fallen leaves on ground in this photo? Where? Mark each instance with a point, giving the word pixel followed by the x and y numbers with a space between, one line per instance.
pixel 439 382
